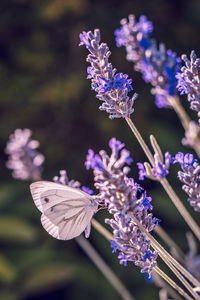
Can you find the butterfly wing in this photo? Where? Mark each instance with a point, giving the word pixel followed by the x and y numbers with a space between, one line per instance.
pixel 64 228
pixel 66 211
pixel 47 194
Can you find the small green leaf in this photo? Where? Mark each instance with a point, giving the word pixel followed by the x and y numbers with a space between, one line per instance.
pixel 7 270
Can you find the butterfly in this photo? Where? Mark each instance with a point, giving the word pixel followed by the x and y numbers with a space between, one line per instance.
pixel 66 211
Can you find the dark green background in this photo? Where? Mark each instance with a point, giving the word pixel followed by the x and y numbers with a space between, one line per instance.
pixel 43 87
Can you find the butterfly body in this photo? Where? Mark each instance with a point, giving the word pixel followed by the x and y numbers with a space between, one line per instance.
pixel 66 211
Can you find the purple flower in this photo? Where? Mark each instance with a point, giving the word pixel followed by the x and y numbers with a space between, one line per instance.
pixel 146 201
pixel 144 25
pixel 159 170
pixel 123 259
pixel 190 177
pixel 142 171
pixel 112 88
pixel 114 245
pixel 93 161
pixel 184 159
pixel 87 190
pixel 119 194
pixel 191 134
pixel 188 80
pixel 24 158
pixel 147 256
pixel 63 179
pixel 104 85
pixel 84 39
pixel 158 66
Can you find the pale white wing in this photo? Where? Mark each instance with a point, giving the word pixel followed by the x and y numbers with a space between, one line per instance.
pixel 60 225
pixel 66 211
pixel 47 194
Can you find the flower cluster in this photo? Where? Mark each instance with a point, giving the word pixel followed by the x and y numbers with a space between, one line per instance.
pixel 112 88
pixel 159 170
pixel 120 195
pixel 190 177
pixel 158 65
pixel 24 158
pixel 189 80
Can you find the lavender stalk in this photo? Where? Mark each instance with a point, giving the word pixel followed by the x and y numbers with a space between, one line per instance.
pixel 160 68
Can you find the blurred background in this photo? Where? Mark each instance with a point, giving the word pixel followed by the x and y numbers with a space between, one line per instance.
pixel 43 87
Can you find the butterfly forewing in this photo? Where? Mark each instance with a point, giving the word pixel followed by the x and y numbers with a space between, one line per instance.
pixel 43 190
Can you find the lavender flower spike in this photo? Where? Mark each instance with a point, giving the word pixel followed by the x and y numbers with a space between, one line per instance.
pixel 112 88
pixel 24 159
pixel 189 80
pixel 190 176
pixel 158 65
pixel 120 195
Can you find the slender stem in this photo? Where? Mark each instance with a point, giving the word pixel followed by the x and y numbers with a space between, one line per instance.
pixel 161 283
pixel 172 283
pixel 141 141
pixel 168 240
pixel 181 208
pixel 183 116
pixel 102 230
pixel 175 199
pixel 103 267
pixel 185 120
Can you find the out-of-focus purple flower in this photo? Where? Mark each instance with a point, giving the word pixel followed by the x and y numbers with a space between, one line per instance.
pixel 184 159
pixel 24 159
pixel 190 177
pixel 120 195
pixel 191 134
pixel 189 80
pixel 142 171
pixel 93 160
pixel 63 179
pixel 158 65
pixel 112 88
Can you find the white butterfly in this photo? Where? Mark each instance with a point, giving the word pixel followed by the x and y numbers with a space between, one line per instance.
pixel 66 211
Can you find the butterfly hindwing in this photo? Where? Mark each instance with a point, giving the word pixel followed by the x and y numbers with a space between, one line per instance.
pixel 64 227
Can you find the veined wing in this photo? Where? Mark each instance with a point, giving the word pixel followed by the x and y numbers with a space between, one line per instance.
pixel 47 194
pixel 64 227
